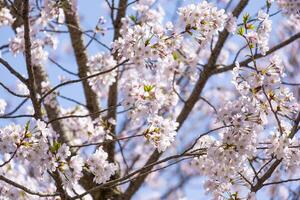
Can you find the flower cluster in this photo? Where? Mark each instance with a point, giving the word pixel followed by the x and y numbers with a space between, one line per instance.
pixel 161 132
pixel 51 11
pixel 39 146
pixel 225 158
pixel 100 167
pixel 261 36
pixel 144 44
pixel 231 23
pixel 101 62
pixel 264 32
pixel 262 97
pixel 39 39
pixel 162 50
pixel 146 14
pixel 5 17
pixel 281 145
pixel 39 55
pixel 265 88
pixel 72 172
pixel 49 99
pixel 84 130
pixel 289 7
pixel 204 18
pixel 147 97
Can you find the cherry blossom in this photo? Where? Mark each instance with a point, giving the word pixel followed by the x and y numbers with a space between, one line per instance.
pixel 143 96
pixel 161 132
pixel 5 17
pixel 206 19
pixel 289 7
pixel 101 62
pixel 100 167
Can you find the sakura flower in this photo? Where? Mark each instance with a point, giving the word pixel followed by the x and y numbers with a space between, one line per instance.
pixel 161 132
pixel 147 14
pixel 49 99
pixel 263 32
pixel 145 96
pixel 5 17
pixel 9 136
pixel 22 88
pixel 280 146
pixel 63 152
pixel 206 19
pixel 231 24
pixel 76 163
pixel 289 7
pixel 99 63
pixel 144 44
pixel 42 127
pixel 100 167
pixel 84 129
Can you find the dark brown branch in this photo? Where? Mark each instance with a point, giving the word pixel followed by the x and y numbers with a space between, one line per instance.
pixel 184 180
pixel 13 71
pixel 62 68
pixel 101 143
pixel 12 92
pixel 78 80
pixel 113 89
pixel 282 181
pixel 145 169
pixel 71 100
pixel 257 56
pixel 273 167
pixel 291 84
pixel 78 116
pixel 76 36
pixel 16 108
pixel 25 189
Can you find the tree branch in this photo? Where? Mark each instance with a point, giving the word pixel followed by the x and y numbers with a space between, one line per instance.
pixel 25 189
pixel 257 56
pixel 269 172
pixel 13 71
pixel 31 79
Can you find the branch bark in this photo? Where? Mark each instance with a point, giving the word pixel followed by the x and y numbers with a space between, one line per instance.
pixel 113 89
pixel 72 20
pixel 31 84
pixel 25 189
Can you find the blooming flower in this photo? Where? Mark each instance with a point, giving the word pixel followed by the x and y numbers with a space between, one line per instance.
pixel 100 167
pixel 5 17
pixel 206 19
pixel 289 7
pixel 161 132
pixel 99 63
